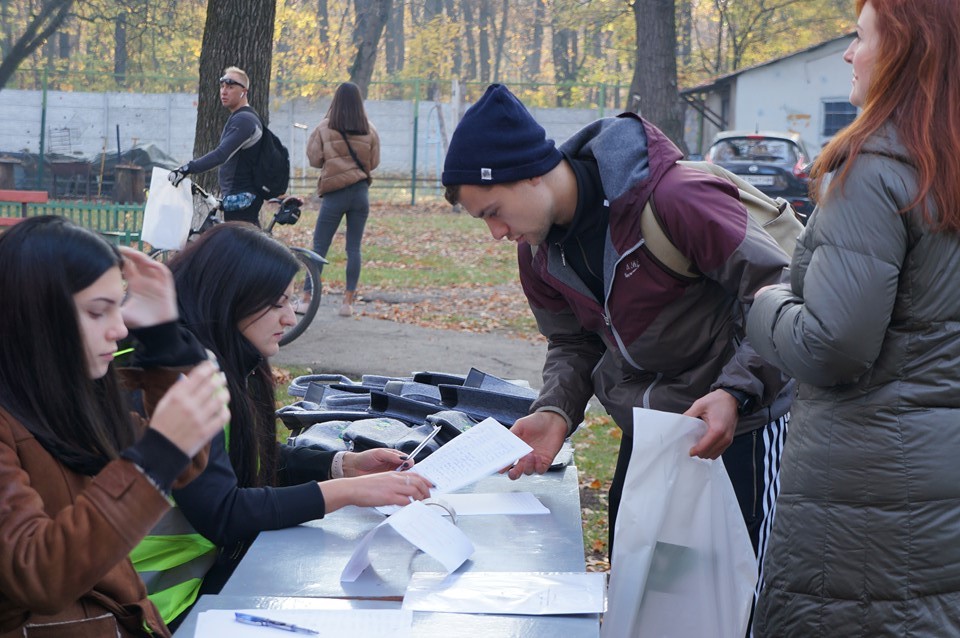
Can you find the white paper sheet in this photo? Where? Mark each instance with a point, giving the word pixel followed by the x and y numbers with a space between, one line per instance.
pixel 529 593
pixel 477 453
pixel 355 623
pixel 508 503
pixel 423 527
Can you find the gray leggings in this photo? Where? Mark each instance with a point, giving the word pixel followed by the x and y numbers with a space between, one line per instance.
pixel 354 202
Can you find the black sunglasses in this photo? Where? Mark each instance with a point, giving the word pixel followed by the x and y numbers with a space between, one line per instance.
pixel 231 82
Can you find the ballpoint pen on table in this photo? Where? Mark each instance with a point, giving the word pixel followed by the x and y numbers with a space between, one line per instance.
pixel 412 456
pixel 249 619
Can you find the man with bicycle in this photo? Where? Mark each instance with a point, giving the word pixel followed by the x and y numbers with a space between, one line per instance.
pixel 236 154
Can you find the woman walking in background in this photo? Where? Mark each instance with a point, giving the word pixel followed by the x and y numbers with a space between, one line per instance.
pixel 864 541
pixel 345 147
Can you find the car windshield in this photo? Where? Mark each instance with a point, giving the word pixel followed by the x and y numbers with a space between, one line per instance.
pixel 748 149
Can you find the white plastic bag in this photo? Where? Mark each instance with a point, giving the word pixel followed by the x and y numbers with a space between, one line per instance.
pixel 169 211
pixel 683 565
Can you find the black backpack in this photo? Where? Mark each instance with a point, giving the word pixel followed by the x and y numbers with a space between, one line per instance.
pixel 271 168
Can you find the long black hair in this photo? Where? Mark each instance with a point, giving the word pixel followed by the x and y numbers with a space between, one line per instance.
pixel 44 379
pixel 232 272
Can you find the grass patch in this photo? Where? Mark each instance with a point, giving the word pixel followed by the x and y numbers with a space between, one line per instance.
pixel 596 445
pixel 414 247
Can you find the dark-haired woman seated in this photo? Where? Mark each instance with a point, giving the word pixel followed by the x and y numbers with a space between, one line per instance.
pixel 82 479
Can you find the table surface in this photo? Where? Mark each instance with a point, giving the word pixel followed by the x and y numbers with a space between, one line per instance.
pixel 425 624
pixel 307 560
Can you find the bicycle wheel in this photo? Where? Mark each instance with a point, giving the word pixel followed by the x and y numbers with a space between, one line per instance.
pixel 307 282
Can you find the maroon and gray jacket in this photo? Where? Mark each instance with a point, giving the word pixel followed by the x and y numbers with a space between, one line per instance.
pixel 659 340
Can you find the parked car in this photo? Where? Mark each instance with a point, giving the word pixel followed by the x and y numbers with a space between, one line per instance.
pixel 775 162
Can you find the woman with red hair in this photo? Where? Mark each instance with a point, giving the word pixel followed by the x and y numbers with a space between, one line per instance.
pixel 864 541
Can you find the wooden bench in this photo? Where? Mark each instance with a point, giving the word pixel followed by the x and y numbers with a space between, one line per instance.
pixel 23 198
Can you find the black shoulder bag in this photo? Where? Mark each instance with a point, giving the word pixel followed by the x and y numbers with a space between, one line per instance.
pixel 356 159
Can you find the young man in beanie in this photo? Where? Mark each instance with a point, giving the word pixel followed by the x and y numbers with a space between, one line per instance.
pixel 618 323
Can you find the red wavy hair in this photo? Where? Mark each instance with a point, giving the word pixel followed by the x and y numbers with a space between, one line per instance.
pixel 916 87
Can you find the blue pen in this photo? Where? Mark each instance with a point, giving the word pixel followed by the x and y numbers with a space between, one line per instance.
pixel 249 619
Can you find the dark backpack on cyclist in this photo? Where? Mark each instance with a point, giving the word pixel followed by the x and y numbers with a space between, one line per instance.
pixel 271 168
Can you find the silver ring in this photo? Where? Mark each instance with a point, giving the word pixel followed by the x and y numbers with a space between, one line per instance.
pixel 406 480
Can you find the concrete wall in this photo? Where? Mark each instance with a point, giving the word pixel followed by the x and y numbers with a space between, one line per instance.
pixel 90 120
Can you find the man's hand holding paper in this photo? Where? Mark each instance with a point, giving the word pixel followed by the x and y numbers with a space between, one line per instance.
pixel 544 432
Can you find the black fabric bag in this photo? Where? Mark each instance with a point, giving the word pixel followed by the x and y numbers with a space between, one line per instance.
pixel 271 169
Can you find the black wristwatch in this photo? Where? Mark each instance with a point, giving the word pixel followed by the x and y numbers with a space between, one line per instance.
pixel 745 402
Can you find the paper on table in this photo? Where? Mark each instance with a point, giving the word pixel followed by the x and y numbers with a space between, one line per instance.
pixel 356 623
pixel 509 503
pixel 423 527
pixel 477 453
pixel 530 593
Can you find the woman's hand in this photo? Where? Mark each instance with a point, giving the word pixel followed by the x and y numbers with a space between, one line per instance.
pixel 374 461
pixel 151 295
pixel 385 488
pixel 194 409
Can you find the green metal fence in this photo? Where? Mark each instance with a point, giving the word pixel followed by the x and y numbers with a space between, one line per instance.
pixel 119 223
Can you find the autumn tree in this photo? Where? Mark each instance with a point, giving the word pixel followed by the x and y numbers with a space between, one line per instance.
pixel 722 36
pixel 653 91
pixel 236 33
pixel 43 22
pixel 371 18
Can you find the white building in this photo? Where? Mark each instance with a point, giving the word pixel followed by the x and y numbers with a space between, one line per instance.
pixel 806 92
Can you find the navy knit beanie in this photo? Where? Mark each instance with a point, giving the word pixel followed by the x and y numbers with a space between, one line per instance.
pixel 497 142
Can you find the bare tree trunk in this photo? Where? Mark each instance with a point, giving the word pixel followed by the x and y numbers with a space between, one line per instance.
pixel 470 25
pixel 5 19
pixel 565 48
pixel 236 33
pixel 120 48
pixel 501 34
pixel 394 41
pixel 371 18
pixel 486 22
pixel 457 51
pixel 654 87
pixel 533 58
pixel 323 23
pixel 46 19
pixel 432 9
pixel 686 30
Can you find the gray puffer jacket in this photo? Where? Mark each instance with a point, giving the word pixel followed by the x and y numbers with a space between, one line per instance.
pixel 866 540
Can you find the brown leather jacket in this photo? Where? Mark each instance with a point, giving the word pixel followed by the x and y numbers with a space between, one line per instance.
pixel 65 537
pixel 327 151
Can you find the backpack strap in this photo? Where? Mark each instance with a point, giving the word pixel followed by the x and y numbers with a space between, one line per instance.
pixel 660 247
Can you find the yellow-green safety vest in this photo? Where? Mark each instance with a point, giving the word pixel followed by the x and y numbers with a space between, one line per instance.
pixel 172 561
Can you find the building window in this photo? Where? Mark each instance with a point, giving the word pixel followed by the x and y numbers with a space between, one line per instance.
pixel 837 115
